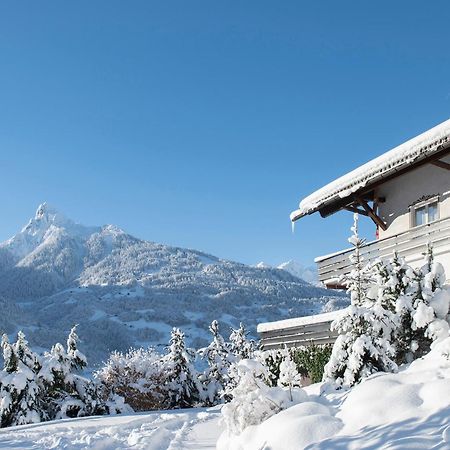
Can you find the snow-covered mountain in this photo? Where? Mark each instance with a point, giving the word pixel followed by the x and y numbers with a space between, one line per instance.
pixel 305 273
pixel 125 291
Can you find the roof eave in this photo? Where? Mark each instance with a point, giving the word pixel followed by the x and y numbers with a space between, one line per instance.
pixel 338 203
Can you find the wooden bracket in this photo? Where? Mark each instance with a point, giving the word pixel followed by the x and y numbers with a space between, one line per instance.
pixel 371 213
pixel 441 164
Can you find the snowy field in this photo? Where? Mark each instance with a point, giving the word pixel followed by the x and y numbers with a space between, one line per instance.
pixel 195 429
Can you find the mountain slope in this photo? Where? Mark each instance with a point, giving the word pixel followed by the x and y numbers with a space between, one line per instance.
pixel 124 291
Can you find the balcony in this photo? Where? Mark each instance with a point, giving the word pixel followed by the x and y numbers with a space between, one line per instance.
pixel 410 244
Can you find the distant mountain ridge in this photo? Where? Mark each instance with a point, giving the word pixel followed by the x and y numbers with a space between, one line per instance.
pixel 125 291
pixel 306 273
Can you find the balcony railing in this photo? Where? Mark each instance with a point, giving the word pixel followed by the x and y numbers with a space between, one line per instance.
pixel 410 244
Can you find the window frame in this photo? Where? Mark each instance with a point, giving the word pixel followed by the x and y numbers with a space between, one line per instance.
pixel 421 204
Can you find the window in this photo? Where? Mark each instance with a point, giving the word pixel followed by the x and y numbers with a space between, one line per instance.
pixel 424 212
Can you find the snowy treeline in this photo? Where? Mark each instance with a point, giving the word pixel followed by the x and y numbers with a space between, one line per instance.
pixel 396 314
pixel 147 379
pixel 37 388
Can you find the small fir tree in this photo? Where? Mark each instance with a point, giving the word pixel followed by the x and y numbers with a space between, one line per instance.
pixel 183 385
pixel 240 346
pixel 365 331
pixel 219 357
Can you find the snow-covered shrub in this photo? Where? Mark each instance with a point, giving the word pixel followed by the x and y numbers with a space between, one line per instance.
pixel 254 401
pixel 271 359
pixel 311 360
pixel 137 375
pixel 289 376
pixel 183 386
pixel 219 356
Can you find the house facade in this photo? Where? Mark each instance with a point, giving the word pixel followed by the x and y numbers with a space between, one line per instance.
pixel 405 192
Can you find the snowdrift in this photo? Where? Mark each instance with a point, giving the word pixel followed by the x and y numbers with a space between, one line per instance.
pixel 409 409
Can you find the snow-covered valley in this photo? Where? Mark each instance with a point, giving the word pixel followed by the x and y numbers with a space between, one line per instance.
pixel 123 291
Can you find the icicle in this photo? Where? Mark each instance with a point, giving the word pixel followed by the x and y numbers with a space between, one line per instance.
pixel 293 226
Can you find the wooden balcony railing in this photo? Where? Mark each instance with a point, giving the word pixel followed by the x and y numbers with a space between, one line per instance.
pixel 410 244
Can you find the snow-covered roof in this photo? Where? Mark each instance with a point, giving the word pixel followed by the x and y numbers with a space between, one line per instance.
pixel 300 321
pixel 416 149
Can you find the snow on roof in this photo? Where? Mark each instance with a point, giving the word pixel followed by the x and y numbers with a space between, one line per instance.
pixel 417 148
pixel 299 321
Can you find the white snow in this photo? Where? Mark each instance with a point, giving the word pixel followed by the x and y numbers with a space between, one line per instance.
pixel 195 429
pixel 299 321
pixel 406 410
pixel 417 148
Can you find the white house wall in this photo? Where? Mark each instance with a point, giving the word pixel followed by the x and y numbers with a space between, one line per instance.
pixel 400 193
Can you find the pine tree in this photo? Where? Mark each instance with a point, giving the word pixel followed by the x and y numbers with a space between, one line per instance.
pixel 219 357
pixel 357 281
pixel 20 393
pixel 423 310
pixel 183 385
pixel 240 346
pixel 68 394
pixel 365 331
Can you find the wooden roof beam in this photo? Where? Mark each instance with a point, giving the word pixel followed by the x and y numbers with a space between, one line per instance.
pixel 441 164
pixel 371 213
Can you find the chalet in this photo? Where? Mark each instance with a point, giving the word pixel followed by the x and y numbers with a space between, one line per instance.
pixel 406 193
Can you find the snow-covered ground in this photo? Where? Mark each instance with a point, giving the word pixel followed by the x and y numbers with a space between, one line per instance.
pixel 196 429
pixel 406 410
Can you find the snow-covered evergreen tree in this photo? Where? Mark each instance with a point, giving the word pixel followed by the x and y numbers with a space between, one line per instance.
pixel 357 280
pixel 240 346
pixel 365 331
pixel 423 310
pixel 219 357
pixel 68 394
pixel 20 393
pixel 183 384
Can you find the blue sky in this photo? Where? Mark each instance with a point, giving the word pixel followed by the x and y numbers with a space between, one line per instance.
pixel 202 124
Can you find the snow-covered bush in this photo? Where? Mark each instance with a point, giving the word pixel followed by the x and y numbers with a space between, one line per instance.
pixel 138 376
pixel 183 386
pixel 254 401
pixel 311 360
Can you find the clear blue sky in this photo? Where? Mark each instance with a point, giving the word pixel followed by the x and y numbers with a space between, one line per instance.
pixel 202 123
